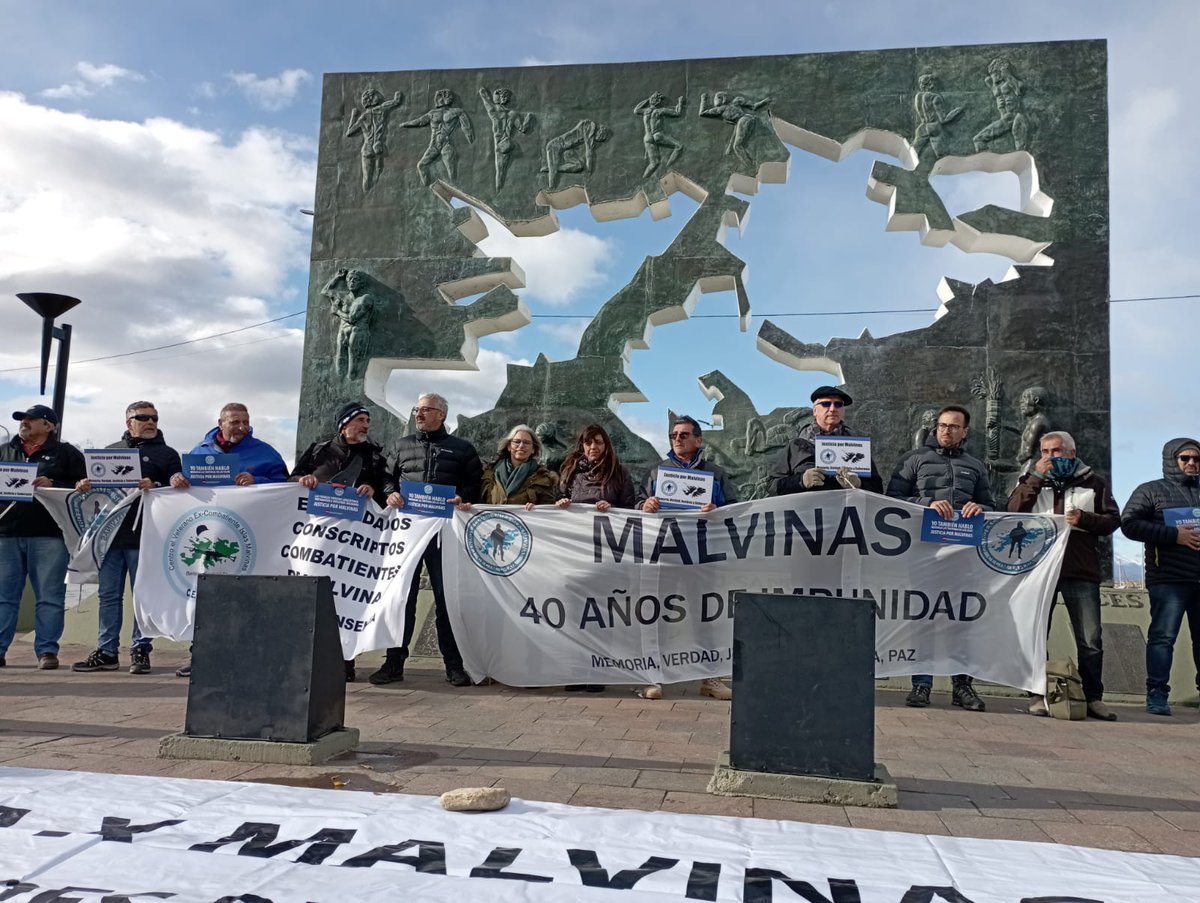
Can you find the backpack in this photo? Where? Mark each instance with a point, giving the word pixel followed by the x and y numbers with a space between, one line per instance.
pixel 1064 691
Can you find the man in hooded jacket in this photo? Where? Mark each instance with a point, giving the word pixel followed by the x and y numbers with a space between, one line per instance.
pixel 1164 515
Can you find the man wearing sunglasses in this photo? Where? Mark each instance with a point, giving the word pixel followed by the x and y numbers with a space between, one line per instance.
pixel 687 453
pixel 1058 482
pixel 942 476
pixel 796 469
pixel 159 463
pixel 1164 515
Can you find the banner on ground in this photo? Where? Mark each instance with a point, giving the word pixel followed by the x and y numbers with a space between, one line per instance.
pixel 566 597
pixel 267 530
pixel 89 521
pixel 97 837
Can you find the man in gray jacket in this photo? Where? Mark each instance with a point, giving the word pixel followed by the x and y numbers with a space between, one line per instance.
pixel 945 478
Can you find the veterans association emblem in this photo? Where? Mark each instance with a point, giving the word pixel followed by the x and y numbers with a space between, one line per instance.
pixel 498 542
pixel 828 456
pixel 92 516
pixel 207 540
pixel 1015 544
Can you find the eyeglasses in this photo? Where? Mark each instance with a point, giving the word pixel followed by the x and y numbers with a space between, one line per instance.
pixel 145 418
pixel 425 410
pixel 675 437
pixel 1189 459
pixel 836 405
pixel 519 442
pixel 949 427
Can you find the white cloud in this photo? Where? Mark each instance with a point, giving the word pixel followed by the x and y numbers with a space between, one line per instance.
pixel 273 92
pixel 207 90
pixel 568 332
pixel 93 77
pixel 559 268
pixel 167 232
pixel 469 392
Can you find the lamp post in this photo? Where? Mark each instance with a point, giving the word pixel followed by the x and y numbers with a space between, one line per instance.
pixel 48 306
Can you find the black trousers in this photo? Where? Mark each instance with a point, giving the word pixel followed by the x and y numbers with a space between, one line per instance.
pixel 432 562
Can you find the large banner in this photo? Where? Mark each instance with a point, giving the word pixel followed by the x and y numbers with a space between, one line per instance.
pixel 89 521
pixel 99 838
pixel 268 530
pixel 565 597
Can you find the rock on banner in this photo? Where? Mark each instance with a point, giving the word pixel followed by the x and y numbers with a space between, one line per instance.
pixel 563 597
pixel 267 530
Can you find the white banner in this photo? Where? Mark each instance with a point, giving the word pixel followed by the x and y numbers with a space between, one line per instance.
pixel 97 837
pixel 267 530
pixel 564 597
pixel 89 521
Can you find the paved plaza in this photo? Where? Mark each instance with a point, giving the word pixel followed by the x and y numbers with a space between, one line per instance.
pixel 1129 786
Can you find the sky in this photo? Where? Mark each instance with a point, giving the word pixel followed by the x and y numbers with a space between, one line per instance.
pixel 155 159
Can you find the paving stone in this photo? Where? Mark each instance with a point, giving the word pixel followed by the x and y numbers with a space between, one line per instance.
pixel 706 804
pixel 812 813
pixel 610 797
pixel 1104 837
pixel 672 780
pixel 962 825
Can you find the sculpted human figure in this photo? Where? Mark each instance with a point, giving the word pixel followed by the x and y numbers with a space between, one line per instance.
pixel 930 115
pixel 1032 402
pixel 574 150
pixel 442 120
pixel 371 122
pixel 928 419
pixel 353 307
pixel 506 123
pixel 653 112
pixel 738 112
pixel 1007 89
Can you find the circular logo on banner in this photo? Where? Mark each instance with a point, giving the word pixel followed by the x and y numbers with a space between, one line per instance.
pixel 1015 544
pixel 98 469
pixel 828 456
pixel 670 488
pixel 208 459
pixel 498 542
pixel 429 489
pixel 207 541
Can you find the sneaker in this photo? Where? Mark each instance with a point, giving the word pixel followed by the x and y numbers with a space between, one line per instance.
pixel 48 662
pixel 1098 710
pixel 966 697
pixel 653 691
pixel 98 661
pixel 1156 703
pixel 715 689
pixel 351 674
pixel 139 661
pixel 1038 707
pixel 184 670
pixel 457 677
pixel 389 673
pixel 917 698
pixel 3 662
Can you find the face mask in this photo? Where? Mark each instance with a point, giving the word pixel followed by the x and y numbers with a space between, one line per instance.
pixel 1063 468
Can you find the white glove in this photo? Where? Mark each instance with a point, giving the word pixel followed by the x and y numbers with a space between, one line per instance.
pixel 813 477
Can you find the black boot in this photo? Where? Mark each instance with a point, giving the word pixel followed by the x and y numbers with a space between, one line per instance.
pixel 965 695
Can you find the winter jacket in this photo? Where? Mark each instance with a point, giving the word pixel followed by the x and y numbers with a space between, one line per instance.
pixel 933 473
pixel 1087 492
pixel 540 488
pixel 583 490
pixel 724 492
pixel 438 457
pixel 255 457
pixel 325 460
pixel 1143 521
pixel 160 462
pixel 800 455
pixel 61 463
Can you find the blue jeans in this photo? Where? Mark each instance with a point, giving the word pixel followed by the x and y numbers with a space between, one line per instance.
pixel 42 559
pixel 1082 600
pixel 117 563
pixel 1169 602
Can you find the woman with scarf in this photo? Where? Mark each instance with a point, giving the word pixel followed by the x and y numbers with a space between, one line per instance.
pixel 592 475
pixel 516 477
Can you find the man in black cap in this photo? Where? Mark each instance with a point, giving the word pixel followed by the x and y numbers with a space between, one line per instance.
pixel 350 457
pixel 796 469
pixel 31 544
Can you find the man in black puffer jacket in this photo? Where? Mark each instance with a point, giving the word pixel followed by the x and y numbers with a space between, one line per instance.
pixel 159 462
pixel 431 455
pixel 1165 516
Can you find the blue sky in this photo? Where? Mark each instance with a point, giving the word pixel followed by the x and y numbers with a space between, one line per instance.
pixel 154 158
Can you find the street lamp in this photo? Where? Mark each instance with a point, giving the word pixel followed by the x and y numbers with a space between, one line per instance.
pixel 48 306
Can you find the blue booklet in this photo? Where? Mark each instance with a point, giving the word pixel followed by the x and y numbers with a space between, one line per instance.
pixel 211 469
pixel 334 500
pixel 1181 517
pixel 427 499
pixel 961 531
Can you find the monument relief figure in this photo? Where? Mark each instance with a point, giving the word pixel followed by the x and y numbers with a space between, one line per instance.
pixel 506 123
pixel 371 122
pixel 989 387
pixel 1032 403
pixel 1007 89
pixel 653 112
pixel 931 115
pixel 738 112
pixel 928 421
pixel 352 307
pixel 574 150
pixel 442 120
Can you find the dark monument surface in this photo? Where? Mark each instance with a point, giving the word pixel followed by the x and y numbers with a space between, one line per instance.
pixel 397 280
